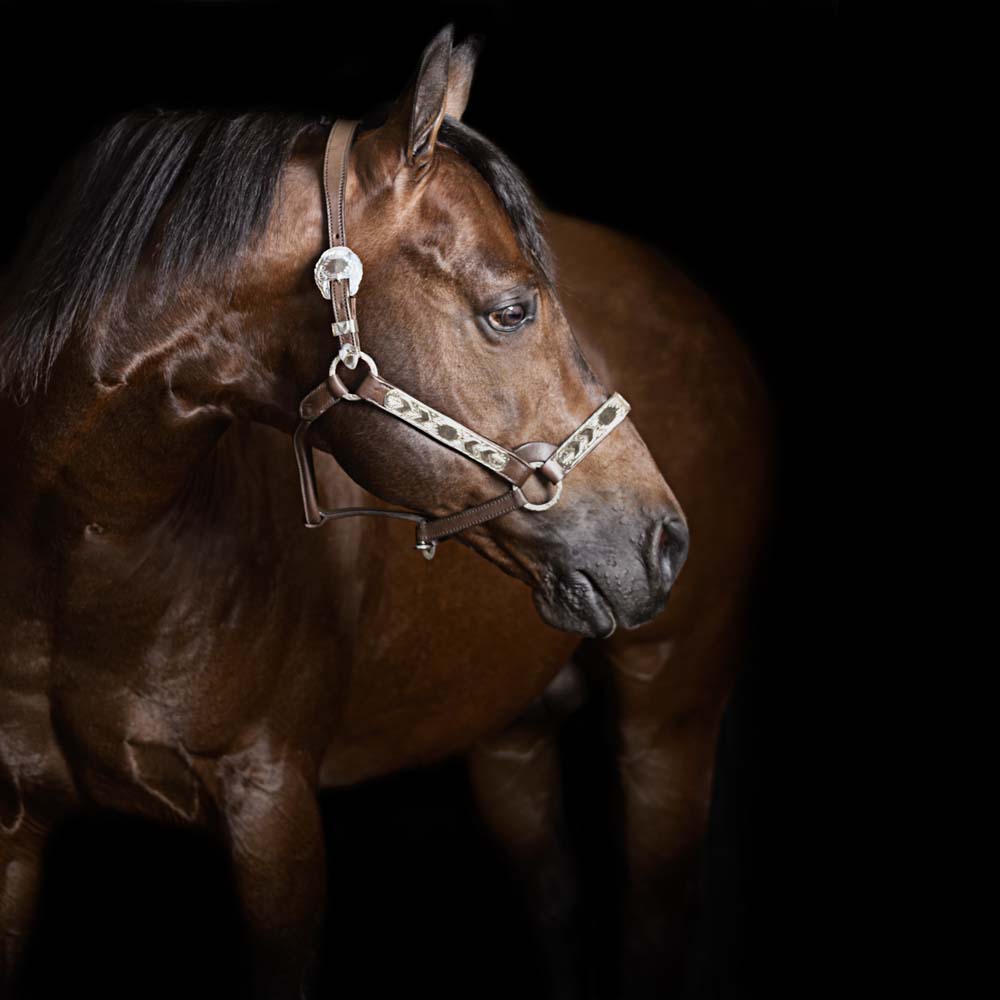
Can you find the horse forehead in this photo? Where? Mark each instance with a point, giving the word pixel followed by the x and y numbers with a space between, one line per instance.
pixel 465 238
pixel 458 198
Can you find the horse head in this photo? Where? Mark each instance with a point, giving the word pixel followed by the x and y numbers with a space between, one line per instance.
pixel 459 306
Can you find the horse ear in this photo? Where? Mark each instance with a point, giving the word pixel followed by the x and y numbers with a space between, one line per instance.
pixel 417 115
pixel 460 71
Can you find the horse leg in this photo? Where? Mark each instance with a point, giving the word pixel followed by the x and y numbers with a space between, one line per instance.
pixel 21 847
pixel 275 834
pixel 516 780
pixel 670 695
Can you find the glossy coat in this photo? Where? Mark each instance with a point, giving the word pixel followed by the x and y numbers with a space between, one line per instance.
pixel 176 644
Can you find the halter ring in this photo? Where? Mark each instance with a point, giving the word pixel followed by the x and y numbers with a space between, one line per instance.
pixel 346 350
pixel 551 502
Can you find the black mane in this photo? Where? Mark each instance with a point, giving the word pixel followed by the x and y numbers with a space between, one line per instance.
pixel 221 172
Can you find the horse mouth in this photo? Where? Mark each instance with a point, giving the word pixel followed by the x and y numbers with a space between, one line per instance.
pixel 600 598
pixel 576 603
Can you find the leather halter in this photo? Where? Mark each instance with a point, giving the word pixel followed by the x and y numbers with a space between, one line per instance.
pixel 338 274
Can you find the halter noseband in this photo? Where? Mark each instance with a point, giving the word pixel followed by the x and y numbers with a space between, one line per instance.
pixel 338 274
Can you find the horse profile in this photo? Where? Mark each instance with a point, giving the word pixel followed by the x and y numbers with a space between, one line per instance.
pixel 177 645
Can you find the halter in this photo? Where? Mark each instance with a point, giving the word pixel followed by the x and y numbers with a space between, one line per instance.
pixel 338 275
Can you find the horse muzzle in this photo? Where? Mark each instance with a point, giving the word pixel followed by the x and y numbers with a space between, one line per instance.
pixel 594 587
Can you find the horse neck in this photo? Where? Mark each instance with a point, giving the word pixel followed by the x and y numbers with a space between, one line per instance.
pixel 119 455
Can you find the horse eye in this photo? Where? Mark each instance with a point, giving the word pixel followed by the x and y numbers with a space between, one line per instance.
pixel 509 318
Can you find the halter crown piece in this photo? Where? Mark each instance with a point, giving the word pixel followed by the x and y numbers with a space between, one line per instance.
pixel 338 275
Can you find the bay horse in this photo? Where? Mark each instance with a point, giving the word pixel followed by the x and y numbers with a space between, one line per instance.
pixel 178 645
pixel 701 406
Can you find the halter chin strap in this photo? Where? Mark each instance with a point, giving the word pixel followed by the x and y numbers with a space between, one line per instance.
pixel 338 275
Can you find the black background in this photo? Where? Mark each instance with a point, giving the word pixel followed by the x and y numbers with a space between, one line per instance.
pixel 704 128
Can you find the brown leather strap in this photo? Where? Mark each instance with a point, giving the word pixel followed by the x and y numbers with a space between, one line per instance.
pixel 338 147
pixel 431 532
pixel 316 515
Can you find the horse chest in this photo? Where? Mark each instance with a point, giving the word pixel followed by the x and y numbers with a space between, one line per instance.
pixel 162 667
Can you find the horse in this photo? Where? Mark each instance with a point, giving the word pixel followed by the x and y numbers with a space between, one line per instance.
pixel 179 646
pixel 705 412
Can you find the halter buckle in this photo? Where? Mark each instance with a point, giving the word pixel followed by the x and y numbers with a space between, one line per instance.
pixel 427 549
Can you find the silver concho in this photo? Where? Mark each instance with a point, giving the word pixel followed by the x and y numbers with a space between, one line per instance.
pixel 338 264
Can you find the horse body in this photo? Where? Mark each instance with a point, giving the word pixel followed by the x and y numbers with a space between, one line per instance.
pixel 176 644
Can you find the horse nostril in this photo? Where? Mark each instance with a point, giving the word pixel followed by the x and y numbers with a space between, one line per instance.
pixel 673 547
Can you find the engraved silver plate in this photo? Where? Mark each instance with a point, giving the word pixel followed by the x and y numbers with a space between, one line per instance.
pixel 338 264
pixel 445 430
pixel 592 432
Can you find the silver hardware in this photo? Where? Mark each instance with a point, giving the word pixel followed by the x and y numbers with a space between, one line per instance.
pixel 338 264
pixel 427 549
pixel 344 327
pixel 349 354
pixel 548 503
pixel 348 350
